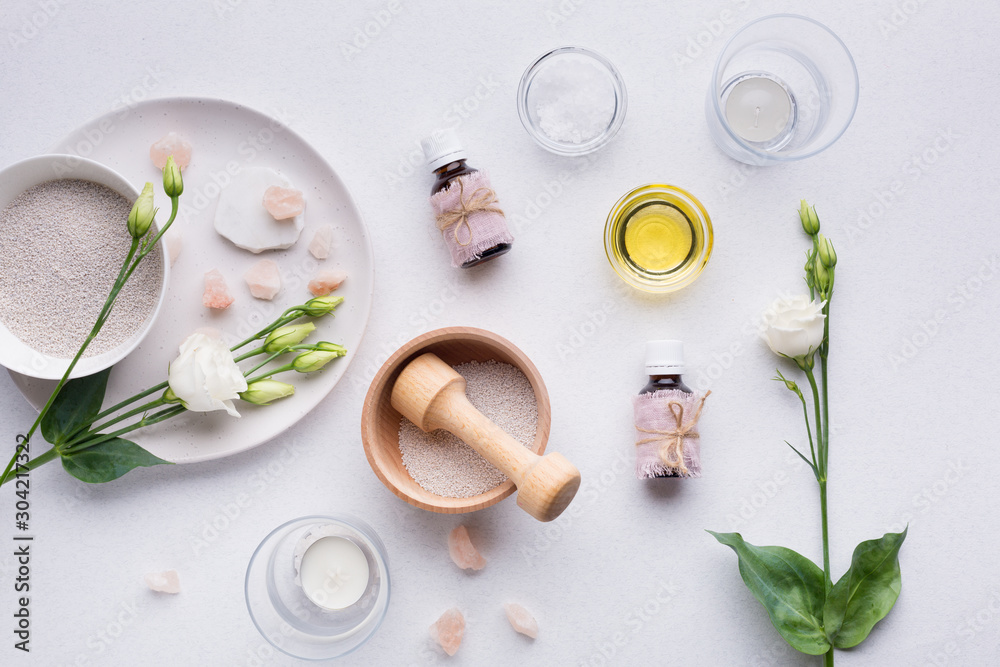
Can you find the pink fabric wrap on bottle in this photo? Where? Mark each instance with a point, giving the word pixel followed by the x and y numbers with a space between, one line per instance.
pixel 666 434
pixel 469 217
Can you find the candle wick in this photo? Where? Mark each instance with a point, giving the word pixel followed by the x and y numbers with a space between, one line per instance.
pixel 756 116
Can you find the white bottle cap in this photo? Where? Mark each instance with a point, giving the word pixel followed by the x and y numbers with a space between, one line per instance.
pixel 665 357
pixel 441 148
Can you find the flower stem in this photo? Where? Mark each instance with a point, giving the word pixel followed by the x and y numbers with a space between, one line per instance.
pixel 155 418
pixel 820 443
pixel 94 430
pixel 101 318
pixel 821 478
pixel 273 371
pixel 824 352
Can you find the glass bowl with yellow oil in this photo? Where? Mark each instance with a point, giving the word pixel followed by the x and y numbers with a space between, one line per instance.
pixel 658 238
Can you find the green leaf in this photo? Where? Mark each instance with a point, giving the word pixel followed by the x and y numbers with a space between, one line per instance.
pixel 108 460
pixel 866 592
pixel 76 405
pixel 789 585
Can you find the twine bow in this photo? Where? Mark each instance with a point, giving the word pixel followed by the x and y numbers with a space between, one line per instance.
pixel 672 440
pixel 481 200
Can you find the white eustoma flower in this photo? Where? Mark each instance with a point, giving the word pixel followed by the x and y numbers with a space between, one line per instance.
pixel 794 327
pixel 204 376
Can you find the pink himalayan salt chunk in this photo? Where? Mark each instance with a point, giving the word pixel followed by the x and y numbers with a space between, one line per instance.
pixel 326 281
pixel 164 582
pixel 462 551
pixel 216 292
pixel 171 144
pixel 448 630
pixel 321 242
pixel 264 279
pixel 283 203
pixel 521 619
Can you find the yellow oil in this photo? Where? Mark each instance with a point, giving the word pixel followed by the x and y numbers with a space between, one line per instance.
pixel 658 237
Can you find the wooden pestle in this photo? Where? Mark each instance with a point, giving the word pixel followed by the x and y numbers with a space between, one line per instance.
pixel 431 394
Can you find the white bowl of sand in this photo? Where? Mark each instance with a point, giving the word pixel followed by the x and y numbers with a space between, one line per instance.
pixel 63 239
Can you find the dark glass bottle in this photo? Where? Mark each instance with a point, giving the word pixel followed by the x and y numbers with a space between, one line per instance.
pixel 661 382
pixel 665 364
pixel 447 158
pixel 445 175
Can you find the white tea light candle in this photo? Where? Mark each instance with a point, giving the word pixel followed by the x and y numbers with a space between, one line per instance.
pixel 760 109
pixel 334 573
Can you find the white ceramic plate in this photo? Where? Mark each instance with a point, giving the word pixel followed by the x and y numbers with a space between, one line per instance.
pixel 227 137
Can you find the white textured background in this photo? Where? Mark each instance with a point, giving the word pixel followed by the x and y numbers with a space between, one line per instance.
pixel 914 387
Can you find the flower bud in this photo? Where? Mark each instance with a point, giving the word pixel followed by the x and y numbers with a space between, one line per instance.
pixel 810 272
pixel 823 276
pixel 314 360
pixel 142 213
pixel 789 384
pixel 827 254
pixel 321 305
pixel 173 184
pixel 810 221
pixel 282 337
pixel 262 392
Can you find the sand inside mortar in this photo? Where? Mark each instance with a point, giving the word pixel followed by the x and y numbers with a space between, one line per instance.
pixel 63 244
pixel 443 464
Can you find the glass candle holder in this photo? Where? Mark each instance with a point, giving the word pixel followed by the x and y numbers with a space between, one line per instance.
pixel 317 587
pixel 784 88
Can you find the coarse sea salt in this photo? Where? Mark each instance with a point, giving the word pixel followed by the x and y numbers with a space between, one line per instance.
pixel 64 242
pixel 575 101
pixel 441 463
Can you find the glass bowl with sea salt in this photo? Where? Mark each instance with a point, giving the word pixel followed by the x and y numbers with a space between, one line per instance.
pixel 63 238
pixel 572 100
